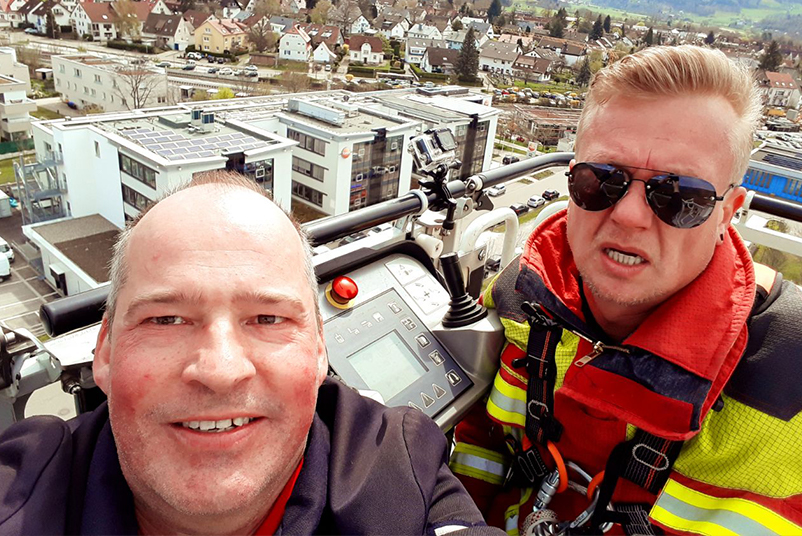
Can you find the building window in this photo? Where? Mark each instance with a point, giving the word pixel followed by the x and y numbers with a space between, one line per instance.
pixel 94 92
pixel 61 68
pixel 308 168
pixel 306 193
pixel 77 73
pixel 97 149
pixel 134 198
pixel 138 171
pixel 97 79
pixel 307 142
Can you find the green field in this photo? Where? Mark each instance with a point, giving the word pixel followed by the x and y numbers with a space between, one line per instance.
pixel 44 113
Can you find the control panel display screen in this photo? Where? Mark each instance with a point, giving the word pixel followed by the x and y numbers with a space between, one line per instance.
pixel 387 365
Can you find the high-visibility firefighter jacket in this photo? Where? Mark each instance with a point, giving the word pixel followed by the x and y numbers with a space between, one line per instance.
pixel 740 468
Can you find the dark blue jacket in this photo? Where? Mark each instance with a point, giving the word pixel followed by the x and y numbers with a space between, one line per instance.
pixel 367 469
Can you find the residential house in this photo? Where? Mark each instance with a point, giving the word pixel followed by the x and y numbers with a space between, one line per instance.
pixel 779 89
pixel 230 8
pixel 295 45
pixel 423 31
pixel 95 20
pixel 495 57
pixel 322 54
pixel 525 41
pixel 552 43
pixel 281 24
pixel 438 21
pixel 360 25
pixel 15 106
pixel 440 60
pixel 320 33
pixel 482 28
pixel 139 16
pixel 168 31
pixel 392 26
pixel 366 49
pixel 456 39
pixel 195 18
pixel 572 52
pixel 220 36
pixel 530 69
pixel 416 48
pixel 9 13
pixel 36 14
pixel 294 6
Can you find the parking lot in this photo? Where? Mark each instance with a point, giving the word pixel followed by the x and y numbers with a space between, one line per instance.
pixel 21 296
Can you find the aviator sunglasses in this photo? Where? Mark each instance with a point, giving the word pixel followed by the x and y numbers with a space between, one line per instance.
pixel 679 201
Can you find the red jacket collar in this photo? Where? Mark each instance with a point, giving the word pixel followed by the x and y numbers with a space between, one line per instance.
pixel 701 329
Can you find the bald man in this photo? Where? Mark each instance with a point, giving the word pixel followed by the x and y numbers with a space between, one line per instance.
pixel 220 419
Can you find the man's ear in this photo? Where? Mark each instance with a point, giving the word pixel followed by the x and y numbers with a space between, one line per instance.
pixel 101 365
pixel 731 205
pixel 571 164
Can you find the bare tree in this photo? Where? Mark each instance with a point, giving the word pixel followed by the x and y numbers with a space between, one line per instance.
pixel 126 20
pixel 134 85
pixel 262 36
pixel 295 82
pixel 320 13
pixel 345 14
pixel 30 56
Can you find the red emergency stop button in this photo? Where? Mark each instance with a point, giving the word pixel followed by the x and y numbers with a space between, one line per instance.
pixel 342 291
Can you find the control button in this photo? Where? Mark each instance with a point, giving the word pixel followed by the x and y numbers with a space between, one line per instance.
pixel 343 289
pixel 353 331
pixel 452 377
pixel 436 357
pixel 367 324
pixel 439 392
pixel 422 340
pixel 427 400
pixel 410 404
pixel 339 338
pixel 409 323
pixel 394 307
pixel 378 317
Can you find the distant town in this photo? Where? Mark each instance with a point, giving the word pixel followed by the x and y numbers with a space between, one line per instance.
pixel 104 106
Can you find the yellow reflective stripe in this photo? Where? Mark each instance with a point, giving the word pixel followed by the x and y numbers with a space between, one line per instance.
pixel 733 515
pixel 479 463
pixel 512 513
pixel 507 403
pixel 700 527
pixel 512 373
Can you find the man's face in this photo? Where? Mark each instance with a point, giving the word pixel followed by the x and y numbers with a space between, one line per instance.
pixel 214 327
pixel 686 135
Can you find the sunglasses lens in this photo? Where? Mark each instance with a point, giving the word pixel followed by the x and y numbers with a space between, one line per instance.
pixel 596 187
pixel 682 202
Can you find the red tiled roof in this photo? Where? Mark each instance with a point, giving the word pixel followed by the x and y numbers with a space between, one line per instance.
pixel 357 41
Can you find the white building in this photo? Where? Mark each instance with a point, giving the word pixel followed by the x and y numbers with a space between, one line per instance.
pixel 168 31
pixel 295 45
pixel 780 89
pixel 86 79
pixel 37 14
pixel 95 20
pixel 416 48
pixel 423 31
pixel 360 25
pixel 322 54
pixel 10 14
pixel 366 49
pixel 498 58
pixel 15 106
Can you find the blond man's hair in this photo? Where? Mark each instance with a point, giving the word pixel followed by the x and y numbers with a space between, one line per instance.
pixel 682 70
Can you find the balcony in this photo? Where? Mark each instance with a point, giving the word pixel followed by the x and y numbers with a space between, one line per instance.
pixel 16 107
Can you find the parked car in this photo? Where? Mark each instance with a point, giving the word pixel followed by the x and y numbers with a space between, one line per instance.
pixel 536 201
pixel 6 249
pixel 31 31
pixel 550 195
pixel 519 209
pixel 252 74
pixel 5 268
pixel 328 67
pixel 510 159
pixel 188 67
pixel 211 59
pixel 350 239
pixel 221 60
pixel 497 190
pixel 212 70
pixel 225 71
pixel 251 68
pixel 163 64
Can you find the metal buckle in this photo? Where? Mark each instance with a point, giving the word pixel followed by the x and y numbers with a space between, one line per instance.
pixel 659 454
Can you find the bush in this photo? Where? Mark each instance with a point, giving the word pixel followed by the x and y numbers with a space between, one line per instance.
pixel 139 47
pixel 190 48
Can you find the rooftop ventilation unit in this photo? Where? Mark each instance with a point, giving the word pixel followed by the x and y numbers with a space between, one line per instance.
pixel 350 109
pixel 196 117
pixel 317 111
pixel 207 122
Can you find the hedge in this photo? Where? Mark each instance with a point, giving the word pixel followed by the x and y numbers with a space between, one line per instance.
pixel 139 47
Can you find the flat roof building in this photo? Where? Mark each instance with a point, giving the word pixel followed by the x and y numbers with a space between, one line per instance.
pixel 15 106
pixel 776 171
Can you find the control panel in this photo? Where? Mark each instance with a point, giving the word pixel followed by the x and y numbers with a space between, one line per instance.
pixel 378 322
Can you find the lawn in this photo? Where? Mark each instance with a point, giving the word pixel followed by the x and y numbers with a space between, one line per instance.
pixel 44 113
pixel 7 168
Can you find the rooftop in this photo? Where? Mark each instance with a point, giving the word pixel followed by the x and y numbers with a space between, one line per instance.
pixel 86 241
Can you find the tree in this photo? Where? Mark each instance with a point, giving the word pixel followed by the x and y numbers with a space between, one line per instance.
pixel 468 59
pixel 607 23
pixel 494 10
pixel 711 38
pixel 134 85
pixel 598 31
pixel 52 29
pixel 187 5
pixel 583 78
pixel 126 20
pixel 345 13
pixel 456 25
pixel 320 14
pixel 772 58
pixel 200 95
pixel 295 82
pixel 556 27
pixel 223 93
pixel 262 37
pixel 649 39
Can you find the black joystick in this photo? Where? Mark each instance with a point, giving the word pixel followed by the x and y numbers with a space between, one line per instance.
pixel 463 309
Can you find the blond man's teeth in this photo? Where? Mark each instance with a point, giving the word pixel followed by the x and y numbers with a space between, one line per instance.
pixel 623 258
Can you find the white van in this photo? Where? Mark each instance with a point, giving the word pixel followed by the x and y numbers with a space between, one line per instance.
pixel 5 268
pixel 6 249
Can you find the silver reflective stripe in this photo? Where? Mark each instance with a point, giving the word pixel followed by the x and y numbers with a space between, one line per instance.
pixel 479 463
pixel 506 403
pixel 448 529
pixel 732 521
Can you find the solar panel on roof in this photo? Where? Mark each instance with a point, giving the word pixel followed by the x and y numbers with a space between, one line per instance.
pixel 784 161
pixel 168 145
pixel 184 143
pixel 180 150
pixel 164 152
pixel 191 155
pixel 225 137
pixel 213 139
pixel 206 153
pixel 177 157
pixel 198 142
